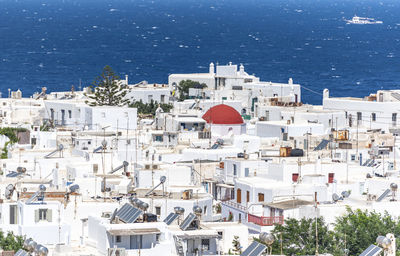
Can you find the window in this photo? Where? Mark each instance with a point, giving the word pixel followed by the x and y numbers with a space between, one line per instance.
pixel 394 117
pixel 260 197
pixel 359 116
pixel 43 215
pixel 158 210
pixel 353 157
pixel 162 98
pixel 246 172
pixel 234 170
pixel 158 138
pixel 205 209
pixel 205 244
pixel 13 214
pixel 69 114
pixel 373 117
pixel 118 239
pixel 247 196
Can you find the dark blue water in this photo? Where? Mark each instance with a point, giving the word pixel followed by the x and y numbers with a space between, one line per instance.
pixel 56 43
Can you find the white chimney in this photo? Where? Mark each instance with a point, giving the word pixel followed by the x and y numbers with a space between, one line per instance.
pixel 241 70
pixel 212 70
pixel 126 79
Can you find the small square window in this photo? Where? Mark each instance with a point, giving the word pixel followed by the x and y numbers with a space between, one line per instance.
pixel 158 210
pixel 118 239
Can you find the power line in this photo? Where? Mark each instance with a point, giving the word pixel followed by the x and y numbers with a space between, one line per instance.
pixel 308 89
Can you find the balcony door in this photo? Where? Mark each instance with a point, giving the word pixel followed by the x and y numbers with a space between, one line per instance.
pixel 239 196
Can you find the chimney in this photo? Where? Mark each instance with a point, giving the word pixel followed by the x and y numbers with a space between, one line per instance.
pixel 211 69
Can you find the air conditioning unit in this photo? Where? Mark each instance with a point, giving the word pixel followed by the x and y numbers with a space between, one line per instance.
pixel 116 252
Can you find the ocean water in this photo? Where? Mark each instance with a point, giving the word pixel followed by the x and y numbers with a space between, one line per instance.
pixel 59 43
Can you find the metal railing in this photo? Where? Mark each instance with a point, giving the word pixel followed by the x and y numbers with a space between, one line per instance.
pixel 265 221
pixel 235 205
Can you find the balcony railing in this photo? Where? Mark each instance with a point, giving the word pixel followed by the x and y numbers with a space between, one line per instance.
pixel 265 221
pixel 235 205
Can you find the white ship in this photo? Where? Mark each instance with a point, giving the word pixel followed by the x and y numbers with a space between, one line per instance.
pixel 363 20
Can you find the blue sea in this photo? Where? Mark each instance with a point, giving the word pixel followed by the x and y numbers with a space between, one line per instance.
pixel 59 43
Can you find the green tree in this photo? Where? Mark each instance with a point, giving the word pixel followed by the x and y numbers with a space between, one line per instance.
pixel 10 242
pixel 236 245
pixel 185 85
pixel 299 237
pixel 150 108
pixel 359 229
pixel 108 91
pixel 12 134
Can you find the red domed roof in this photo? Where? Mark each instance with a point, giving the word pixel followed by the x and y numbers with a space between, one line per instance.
pixel 223 114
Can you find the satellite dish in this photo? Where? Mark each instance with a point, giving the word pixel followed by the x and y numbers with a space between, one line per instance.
pixel 60 147
pixel 42 188
pixel 335 197
pixel 125 163
pixel 104 143
pixel 163 179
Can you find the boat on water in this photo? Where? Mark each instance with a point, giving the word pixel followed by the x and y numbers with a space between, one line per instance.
pixel 363 20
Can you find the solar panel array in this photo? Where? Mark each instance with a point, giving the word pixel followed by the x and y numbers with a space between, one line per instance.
pixel 128 214
pixel 372 250
pixel 170 218
pixel 186 223
pixel 384 194
pixel 21 252
pixel 367 162
pixel 372 163
pixel 13 174
pixel 322 145
pixel 254 249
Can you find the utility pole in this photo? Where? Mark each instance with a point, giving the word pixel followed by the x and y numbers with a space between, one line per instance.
pixel 394 152
pixel 316 224
pixel 357 138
